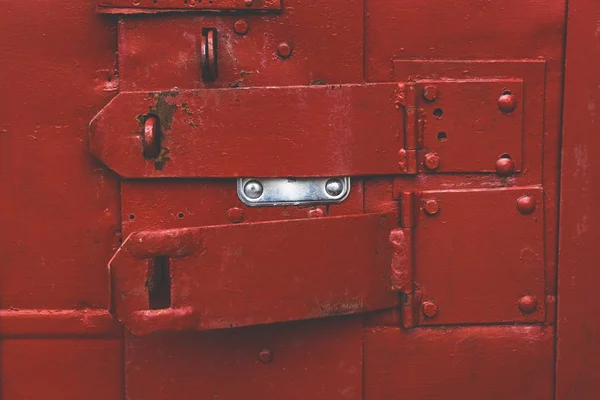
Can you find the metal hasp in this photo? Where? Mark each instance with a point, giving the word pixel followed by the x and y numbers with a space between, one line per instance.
pixel 289 191
pixel 214 284
pixel 213 132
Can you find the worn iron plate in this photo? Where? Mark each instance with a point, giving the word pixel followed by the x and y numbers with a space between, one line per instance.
pixel 221 275
pixel 478 255
pixel 299 131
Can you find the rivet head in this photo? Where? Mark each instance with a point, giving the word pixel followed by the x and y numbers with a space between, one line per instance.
pixel 316 213
pixel 507 102
pixel 253 189
pixel 240 27
pixel 432 161
pixel 527 304
pixel 248 2
pixel 431 92
pixel 284 50
pixel 235 215
pixel 431 207
pixel 505 166
pixel 265 356
pixel 334 187
pixel 430 310
pixel 525 204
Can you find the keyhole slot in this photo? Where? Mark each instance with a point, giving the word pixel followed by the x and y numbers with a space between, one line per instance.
pixel 158 283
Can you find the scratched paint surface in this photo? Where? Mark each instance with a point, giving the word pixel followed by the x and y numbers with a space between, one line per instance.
pixel 468 183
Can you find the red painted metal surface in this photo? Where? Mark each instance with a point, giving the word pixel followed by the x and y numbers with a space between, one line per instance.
pixel 459 362
pixel 578 348
pixel 445 115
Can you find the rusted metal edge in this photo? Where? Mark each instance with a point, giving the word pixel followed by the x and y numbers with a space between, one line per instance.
pixel 53 323
pixel 161 6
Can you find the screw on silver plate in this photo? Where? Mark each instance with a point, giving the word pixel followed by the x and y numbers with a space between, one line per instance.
pixel 253 189
pixel 334 187
pixel 261 192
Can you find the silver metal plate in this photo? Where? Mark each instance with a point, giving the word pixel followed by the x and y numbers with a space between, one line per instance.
pixel 260 192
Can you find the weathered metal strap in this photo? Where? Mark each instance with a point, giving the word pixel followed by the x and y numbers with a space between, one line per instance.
pixel 248 274
pixel 298 131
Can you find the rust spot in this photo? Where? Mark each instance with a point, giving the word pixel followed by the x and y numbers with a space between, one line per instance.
pixel 244 74
pixel 235 84
pixel 185 108
pixel 161 159
pixel 164 110
pixel 318 82
pixel 340 308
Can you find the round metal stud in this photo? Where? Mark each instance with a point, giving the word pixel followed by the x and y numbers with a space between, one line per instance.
pixel 505 166
pixel 284 50
pixel 527 304
pixel 265 356
pixel 240 27
pixel 253 189
pixel 432 161
pixel 431 92
pixel 431 207
pixel 526 204
pixel 430 309
pixel 334 187
pixel 316 213
pixel 235 215
pixel 507 102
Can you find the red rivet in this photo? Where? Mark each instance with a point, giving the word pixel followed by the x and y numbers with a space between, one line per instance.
pixel 235 215
pixel 248 2
pixel 432 161
pixel 284 50
pixel 505 166
pixel 430 310
pixel 316 213
pixel 431 92
pixel 526 204
pixel 240 27
pixel 431 207
pixel 265 356
pixel 527 304
pixel 507 102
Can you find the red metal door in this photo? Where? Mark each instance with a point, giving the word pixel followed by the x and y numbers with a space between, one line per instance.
pixel 137 269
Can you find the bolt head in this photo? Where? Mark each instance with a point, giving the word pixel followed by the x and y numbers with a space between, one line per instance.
pixel 334 187
pixel 431 92
pixel 507 103
pixel 527 304
pixel 432 161
pixel 525 204
pixel 284 50
pixel 253 189
pixel 505 166
pixel 240 27
pixel 316 213
pixel 235 215
pixel 431 207
pixel 430 310
pixel 265 356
